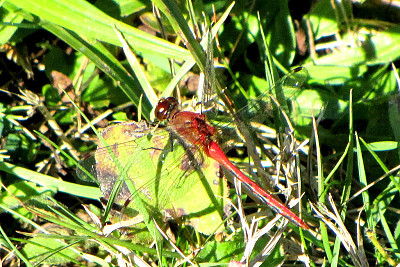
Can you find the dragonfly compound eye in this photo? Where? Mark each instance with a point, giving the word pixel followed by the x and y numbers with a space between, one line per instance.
pixel 165 108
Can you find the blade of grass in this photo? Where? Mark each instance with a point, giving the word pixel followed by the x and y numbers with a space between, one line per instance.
pixel 178 22
pixel 388 232
pixel 348 179
pixel 363 180
pixel 271 73
pixel 86 20
pixel 7 30
pixel 383 200
pixel 321 190
pixel 68 215
pixel 30 222
pixel 383 251
pixel 191 60
pixel 48 181
pixel 72 226
pixel 15 250
pixel 67 156
pixel 137 69
pixel 54 251
pixel 103 59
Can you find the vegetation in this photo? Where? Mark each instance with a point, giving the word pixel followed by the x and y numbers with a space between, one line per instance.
pixel 330 147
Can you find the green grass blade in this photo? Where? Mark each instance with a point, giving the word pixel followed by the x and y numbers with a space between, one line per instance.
pixel 11 246
pixel 86 20
pixel 48 181
pixel 363 180
pixel 137 69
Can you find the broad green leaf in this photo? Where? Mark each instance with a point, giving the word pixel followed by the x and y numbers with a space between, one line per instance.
pixel 221 252
pixel 376 48
pixel 323 19
pixel 162 174
pixel 333 75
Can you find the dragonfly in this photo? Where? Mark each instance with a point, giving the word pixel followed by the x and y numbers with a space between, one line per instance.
pixel 189 129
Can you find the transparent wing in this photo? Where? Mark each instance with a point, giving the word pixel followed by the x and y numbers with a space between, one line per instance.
pixel 283 90
pixel 259 111
pixel 161 171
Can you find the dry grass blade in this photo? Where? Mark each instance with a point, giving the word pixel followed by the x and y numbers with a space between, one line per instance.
pixel 246 228
pixel 34 100
pixel 356 253
pixel 239 209
pixel 252 234
pixel 122 261
pixel 108 229
pixel 273 242
pixel 395 169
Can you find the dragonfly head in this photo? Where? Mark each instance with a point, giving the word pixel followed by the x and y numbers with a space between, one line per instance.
pixel 166 108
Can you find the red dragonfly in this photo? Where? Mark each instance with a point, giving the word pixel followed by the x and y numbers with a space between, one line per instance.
pixel 193 129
